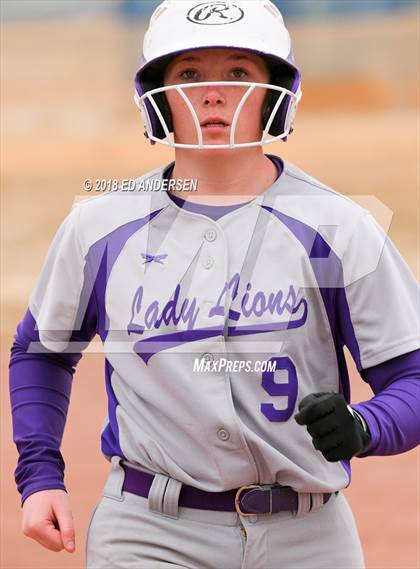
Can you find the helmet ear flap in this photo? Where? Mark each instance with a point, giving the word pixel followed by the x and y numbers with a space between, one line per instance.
pixel 162 103
pixel 281 76
pixel 277 126
pixel 151 79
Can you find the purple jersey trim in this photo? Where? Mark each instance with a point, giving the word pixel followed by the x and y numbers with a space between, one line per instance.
pixel 329 275
pixel 110 444
pixel 215 212
pixel 100 260
pixel 393 414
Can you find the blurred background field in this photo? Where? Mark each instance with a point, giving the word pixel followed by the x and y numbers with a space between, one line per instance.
pixel 67 114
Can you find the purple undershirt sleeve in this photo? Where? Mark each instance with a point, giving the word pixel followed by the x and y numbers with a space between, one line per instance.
pixel 393 414
pixel 40 387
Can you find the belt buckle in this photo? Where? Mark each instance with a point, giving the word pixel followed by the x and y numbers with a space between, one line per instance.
pixel 238 503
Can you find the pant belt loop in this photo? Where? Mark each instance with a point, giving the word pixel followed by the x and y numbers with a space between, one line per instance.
pixel 113 485
pixel 163 496
pixel 157 492
pixel 304 503
pixel 171 498
pixel 317 501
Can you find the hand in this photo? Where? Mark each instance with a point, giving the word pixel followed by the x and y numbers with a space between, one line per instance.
pixel 334 430
pixel 47 518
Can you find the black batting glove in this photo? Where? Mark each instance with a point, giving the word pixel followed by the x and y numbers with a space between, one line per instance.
pixel 335 431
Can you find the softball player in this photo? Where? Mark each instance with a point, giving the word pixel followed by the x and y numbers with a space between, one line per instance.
pixel 223 315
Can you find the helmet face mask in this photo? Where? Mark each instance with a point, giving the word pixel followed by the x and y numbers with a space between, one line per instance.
pixel 270 112
pixel 271 42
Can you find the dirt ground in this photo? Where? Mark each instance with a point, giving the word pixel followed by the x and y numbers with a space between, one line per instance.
pixel 56 132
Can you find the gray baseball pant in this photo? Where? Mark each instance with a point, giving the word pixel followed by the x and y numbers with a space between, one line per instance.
pixel 128 531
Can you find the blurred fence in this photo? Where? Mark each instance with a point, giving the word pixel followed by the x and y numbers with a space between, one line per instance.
pixel 294 8
pixel 303 9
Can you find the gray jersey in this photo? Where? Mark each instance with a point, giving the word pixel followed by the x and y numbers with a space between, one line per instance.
pixel 213 331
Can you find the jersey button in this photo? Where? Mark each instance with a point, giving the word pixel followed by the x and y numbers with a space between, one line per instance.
pixel 223 434
pixel 210 235
pixel 208 263
pixel 207 357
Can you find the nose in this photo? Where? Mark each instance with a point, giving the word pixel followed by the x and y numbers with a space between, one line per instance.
pixel 213 96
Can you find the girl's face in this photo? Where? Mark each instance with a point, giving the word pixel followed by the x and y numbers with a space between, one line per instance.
pixel 216 105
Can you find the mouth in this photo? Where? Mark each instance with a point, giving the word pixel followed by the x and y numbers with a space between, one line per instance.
pixel 214 123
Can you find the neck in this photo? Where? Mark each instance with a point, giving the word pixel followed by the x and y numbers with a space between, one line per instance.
pixel 226 176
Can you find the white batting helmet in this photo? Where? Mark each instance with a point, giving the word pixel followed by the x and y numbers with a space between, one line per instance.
pixel 183 25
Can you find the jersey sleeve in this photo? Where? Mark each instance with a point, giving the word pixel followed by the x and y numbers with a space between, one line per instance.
pixel 382 297
pixel 64 288
pixel 59 323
